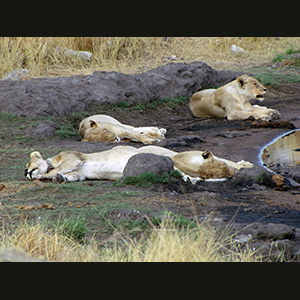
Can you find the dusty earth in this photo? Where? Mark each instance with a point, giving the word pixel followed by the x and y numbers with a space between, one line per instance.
pixel 249 198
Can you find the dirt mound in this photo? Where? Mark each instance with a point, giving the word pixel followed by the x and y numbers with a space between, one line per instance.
pixel 62 95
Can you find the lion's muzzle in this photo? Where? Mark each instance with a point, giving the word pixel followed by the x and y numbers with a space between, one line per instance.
pixel 29 174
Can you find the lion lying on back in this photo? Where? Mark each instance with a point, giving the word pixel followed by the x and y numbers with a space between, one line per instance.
pixel 110 164
pixel 103 128
pixel 232 101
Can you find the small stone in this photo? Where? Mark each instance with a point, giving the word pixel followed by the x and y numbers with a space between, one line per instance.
pixel 16 74
pixel 171 57
pixel 236 49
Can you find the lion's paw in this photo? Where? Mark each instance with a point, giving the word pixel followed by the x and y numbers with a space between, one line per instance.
pixel 59 178
pixel 162 131
pixel 245 164
pixel 275 114
pixel 271 114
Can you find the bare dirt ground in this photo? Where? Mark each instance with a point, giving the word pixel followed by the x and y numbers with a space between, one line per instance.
pixel 234 140
pixel 227 201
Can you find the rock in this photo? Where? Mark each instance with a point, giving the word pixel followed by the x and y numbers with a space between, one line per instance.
pixel 256 175
pixel 281 182
pixel 16 74
pixel 231 134
pixel 236 49
pixel 269 231
pixel 62 95
pixel 43 130
pixel 16 255
pixel 294 173
pixel 125 214
pixel 84 55
pixel 273 242
pixel 273 231
pixel 171 57
pixel 147 162
pixel 183 140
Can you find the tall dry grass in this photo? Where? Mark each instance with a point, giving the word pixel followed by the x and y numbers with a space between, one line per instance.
pixel 215 51
pixel 133 54
pixel 49 245
pixel 40 55
pixel 168 243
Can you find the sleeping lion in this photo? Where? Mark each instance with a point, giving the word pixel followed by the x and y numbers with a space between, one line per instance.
pixel 232 101
pixel 103 128
pixel 110 164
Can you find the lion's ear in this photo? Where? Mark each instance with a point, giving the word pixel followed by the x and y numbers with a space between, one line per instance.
pixel 206 154
pixel 93 124
pixel 240 81
pixel 35 156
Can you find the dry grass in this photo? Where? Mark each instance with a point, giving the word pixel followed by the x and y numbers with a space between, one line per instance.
pixel 46 244
pixel 133 54
pixel 168 243
pixel 215 51
pixel 41 55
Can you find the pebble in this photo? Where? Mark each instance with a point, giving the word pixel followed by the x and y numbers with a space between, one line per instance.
pixel 236 49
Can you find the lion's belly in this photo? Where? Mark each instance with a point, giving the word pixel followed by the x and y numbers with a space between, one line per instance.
pixel 101 170
pixel 109 164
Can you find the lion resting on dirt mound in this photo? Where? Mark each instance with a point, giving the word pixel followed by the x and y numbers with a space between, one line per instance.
pixel 103 128
pixel 232 101
pixel 110 164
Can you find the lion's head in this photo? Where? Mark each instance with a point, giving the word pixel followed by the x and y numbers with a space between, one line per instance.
pixel 37 165
pixel 204 165
pixel 251 87
pixel 98 133
pixel 213 168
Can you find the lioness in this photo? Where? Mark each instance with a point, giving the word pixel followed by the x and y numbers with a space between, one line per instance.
pixel 232 101
pixel 103 128
pixel 109 164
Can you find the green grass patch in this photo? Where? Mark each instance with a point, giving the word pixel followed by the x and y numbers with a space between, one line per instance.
pixel 4 116
pixel 74 228
pixel 126 105
pixel 66 131
pixel 281 56
pixel 275 78
pixel 267 79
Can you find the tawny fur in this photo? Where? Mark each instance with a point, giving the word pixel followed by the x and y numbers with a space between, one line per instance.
pixel 232 101
pixel 103 128
pixel 110 164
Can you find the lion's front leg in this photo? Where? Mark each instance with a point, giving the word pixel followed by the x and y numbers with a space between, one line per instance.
pixel 265 114
pixel 60 177
pixel 146 135
pixel 61 172
pixel 55 177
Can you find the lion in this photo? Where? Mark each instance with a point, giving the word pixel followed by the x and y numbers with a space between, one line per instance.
pixel 232 101
pixel 110 164
pixel 103 128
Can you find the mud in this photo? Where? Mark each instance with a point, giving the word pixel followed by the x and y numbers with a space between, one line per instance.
pixel 251 197
pixel 246 198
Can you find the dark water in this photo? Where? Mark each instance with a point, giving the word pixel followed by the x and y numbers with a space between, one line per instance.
pixel 283 152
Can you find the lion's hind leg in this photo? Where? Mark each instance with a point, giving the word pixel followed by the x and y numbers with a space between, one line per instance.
pixel 244 164
pixel 238 165
pixel 153 133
